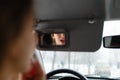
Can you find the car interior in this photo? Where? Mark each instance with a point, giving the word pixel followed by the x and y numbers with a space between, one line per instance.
pixel 79 39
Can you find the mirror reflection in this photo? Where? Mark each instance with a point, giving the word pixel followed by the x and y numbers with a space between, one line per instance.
pixel 52 39
pixel 111 42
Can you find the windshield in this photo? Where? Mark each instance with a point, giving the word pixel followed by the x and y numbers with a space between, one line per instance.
pixel 103 63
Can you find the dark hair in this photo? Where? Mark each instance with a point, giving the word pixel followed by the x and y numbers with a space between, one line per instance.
pixel 11 18
pixel 47 40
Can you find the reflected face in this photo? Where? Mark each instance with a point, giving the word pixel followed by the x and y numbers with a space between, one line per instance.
pixel 59 38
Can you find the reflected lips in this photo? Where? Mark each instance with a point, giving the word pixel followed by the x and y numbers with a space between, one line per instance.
pixel 62 40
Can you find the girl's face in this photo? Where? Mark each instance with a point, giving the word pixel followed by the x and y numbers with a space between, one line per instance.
pixel 22 48
pixel 59 38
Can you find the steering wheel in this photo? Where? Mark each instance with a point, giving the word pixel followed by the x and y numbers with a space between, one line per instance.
pixel 78 75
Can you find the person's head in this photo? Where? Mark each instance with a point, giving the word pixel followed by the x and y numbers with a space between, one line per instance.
pixel 59 38
pixel 17 38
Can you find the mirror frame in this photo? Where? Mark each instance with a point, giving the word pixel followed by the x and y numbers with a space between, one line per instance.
pixel 111 46
pixel 51 31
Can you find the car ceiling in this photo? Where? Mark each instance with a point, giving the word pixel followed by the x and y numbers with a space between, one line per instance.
pixel 70 9
pixel 112 9
pixel 74 17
